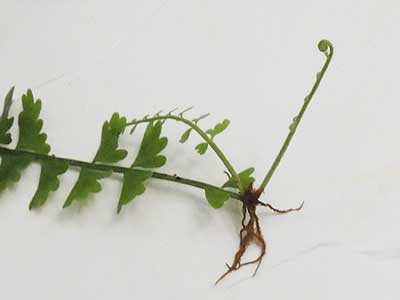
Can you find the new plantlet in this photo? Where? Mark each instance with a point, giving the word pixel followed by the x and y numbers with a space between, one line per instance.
pixel 32 147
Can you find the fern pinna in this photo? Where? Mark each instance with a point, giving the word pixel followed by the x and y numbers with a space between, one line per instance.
pixel 32 147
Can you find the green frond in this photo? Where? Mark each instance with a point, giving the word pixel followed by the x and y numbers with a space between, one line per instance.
pixel 219 128
pixel 201 148
pixel 216 198
pixel 5 121
pixel 30 126
pixel 133 186
pixel 152 144
pixel 30 138
pixel 48 181
pixel 185 136
pixel 108 152
pixel 11 168
pixel 212 132
pixel 148 157
pixel 87 184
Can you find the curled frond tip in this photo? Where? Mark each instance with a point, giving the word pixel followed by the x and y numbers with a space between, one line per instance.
pixel 324 45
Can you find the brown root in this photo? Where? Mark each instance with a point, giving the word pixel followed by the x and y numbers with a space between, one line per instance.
pixel 251 231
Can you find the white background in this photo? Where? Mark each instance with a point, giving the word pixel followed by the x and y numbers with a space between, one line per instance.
pixel 252 62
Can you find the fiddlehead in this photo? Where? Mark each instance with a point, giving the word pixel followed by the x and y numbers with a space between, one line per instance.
pixel 327 48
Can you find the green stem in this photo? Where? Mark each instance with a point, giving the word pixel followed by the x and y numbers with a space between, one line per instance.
pixel 203 134
pixel 323 46
pixel 115 169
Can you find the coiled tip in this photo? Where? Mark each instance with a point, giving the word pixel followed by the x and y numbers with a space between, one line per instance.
pixel 323 45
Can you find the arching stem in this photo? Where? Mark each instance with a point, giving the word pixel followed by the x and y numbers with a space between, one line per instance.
pixel 202 133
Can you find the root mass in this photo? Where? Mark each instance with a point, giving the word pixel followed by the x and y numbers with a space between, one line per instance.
pixel 251 232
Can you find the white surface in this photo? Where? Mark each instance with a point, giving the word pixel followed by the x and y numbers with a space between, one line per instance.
pixel 250 61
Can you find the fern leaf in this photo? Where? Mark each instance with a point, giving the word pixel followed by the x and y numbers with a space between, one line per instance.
pixel 202 148
pixel 220 127
pixel 87 184
pixel 108 152
pixel 30 126
pixel 152 145
pixel 5 121
pixel 148 157
pixel 133 186
pixel 30 138
pixel 216 198
pixel 245 178
pixel 212 132
pixel 185 136
pixel 48 181
pixel 11 168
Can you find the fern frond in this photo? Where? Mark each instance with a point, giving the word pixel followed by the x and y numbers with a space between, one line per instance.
pixel 11 168
pixel 152 145
pixel 5 121
pixel 48 181
pixel 108 152
pixel 31 145
pixel 30 138
pixel 216 198
pixel 148 157
pixel 87 183
pixel 185 136
pixel 133 186
pixel 201 148
pixel 219 128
